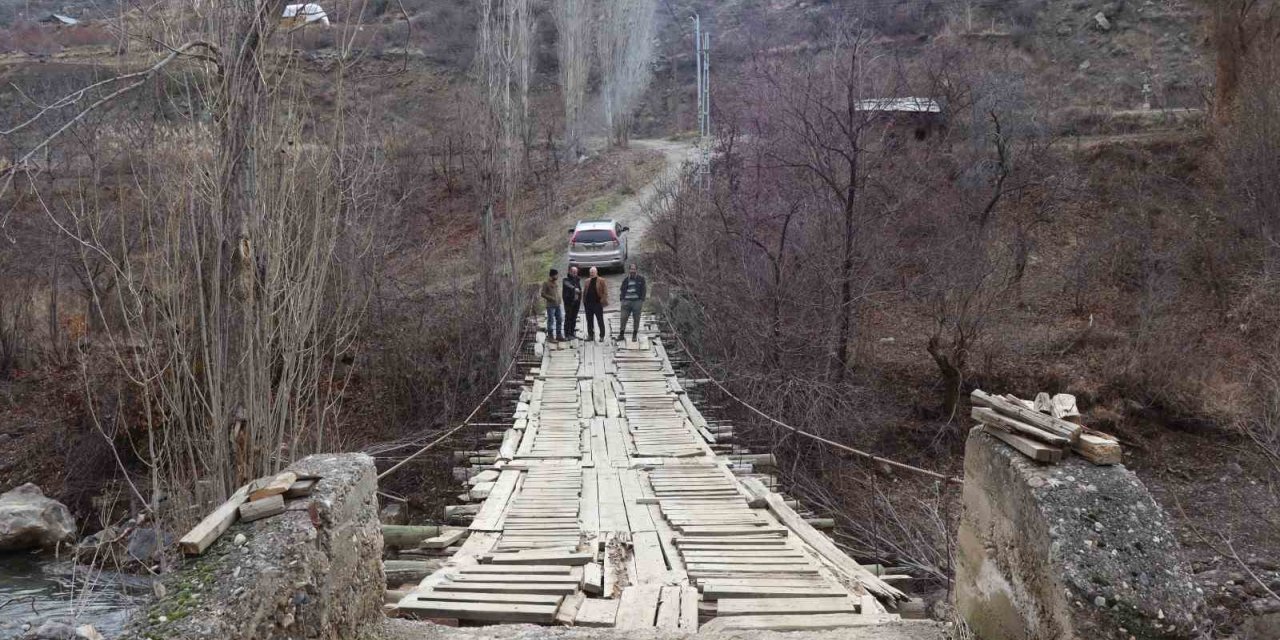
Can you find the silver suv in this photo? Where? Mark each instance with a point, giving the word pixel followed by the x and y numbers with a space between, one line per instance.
pixel 598 243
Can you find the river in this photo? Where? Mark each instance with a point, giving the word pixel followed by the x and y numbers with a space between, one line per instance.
pixel 36 588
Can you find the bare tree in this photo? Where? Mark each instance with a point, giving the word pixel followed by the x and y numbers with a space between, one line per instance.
pixel 572 19
pixel 1237 28
pixel 229 289
pixel 499 132
pixel 625 45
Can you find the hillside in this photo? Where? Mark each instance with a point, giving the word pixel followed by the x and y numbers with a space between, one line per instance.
pixel 1079 217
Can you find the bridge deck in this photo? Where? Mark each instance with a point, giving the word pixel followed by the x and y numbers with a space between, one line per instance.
pixel 611 510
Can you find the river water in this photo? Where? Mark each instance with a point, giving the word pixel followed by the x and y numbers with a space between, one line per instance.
pixel 36 588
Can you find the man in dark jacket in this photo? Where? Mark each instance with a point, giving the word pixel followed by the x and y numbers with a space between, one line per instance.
pixel 551 296
pixel 632 294
pixel 571 291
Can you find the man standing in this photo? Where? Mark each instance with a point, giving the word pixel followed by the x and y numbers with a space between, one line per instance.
pixel 595 296
pixel 555 319
pixel 632 294
pixel 572 294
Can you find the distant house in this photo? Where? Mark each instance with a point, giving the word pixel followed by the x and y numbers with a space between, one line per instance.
pixel 923 116
pixel 297 15
pixel 59 19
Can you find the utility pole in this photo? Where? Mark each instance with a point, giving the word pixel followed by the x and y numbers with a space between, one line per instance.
pixel 702 51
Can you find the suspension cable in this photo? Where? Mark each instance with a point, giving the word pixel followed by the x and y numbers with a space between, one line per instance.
pixel 843 447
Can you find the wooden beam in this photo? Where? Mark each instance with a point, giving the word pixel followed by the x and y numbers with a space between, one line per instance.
pixel 990 418
pixel 1098 449
pixel 483 612
pixel 273 486
pixel 204 534
pixel 407 536
pixel 1048 423
pixel 265 508
pixel 1037 451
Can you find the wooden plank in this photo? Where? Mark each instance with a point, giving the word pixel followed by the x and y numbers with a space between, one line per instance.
pixel 688 609
pixel 567 614
pixel 1037 451
pixel 273 486
pixel 651 568
pixel 490 514
pixel 697 569
pixel 510 443
pixel 207 531
pixel 790 623
pixel 767 606
pixel 638 607
pixel 264 508
pixel 1098 449
pixel 551 569
pixel 828 550
pixel 669 609
pixel 990 418
pixel 515 576
pixel 481 611
pixel 503 587
pixel 539 557
pixel 589 503
pixel 713 590
pixel 1031 416
pixel 512 598
pixel 301 488
pixel 406 571
pixel 597 613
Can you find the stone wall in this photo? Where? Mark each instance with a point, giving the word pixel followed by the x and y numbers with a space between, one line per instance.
pixel 313 572
pixel 1065 551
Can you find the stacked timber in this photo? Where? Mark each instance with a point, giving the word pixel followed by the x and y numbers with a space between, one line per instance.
pixel 263 498
pixel 1042 429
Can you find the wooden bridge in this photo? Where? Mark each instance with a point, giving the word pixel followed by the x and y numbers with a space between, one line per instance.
pixel 609 508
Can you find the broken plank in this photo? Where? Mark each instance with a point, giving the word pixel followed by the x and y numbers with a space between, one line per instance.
pixel 669 609
pixel 595 612
pixel 688 609
pixel 638 607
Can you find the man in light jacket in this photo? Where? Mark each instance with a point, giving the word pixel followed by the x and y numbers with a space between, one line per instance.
pixel 595 297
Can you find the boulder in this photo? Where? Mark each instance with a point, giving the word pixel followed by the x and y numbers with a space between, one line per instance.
pixel 29 520
pixel 146 544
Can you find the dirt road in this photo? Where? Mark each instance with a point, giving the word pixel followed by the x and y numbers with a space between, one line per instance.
pixel 631 212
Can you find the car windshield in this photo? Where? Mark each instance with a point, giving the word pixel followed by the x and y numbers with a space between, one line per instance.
pixel 592 235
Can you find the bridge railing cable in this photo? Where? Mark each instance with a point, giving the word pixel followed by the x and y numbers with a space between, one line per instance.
pixel 466 422
pixel 812 436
